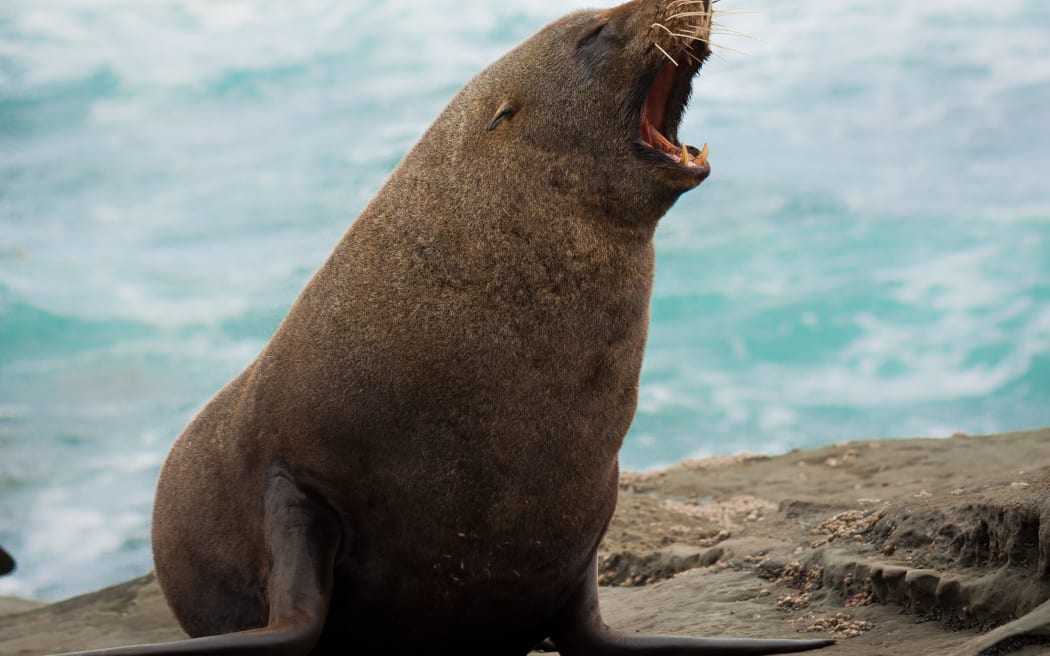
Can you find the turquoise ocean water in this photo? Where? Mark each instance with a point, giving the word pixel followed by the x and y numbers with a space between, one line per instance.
pixel 870 257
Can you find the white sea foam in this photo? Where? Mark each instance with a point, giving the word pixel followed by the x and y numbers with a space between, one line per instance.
pixel 69 534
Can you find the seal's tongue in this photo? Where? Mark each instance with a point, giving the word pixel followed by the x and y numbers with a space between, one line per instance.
pixel 654 120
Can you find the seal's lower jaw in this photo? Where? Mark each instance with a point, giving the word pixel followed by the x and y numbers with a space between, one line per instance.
pixel 664 105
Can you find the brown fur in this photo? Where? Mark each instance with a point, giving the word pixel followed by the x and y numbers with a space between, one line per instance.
pixel 456 381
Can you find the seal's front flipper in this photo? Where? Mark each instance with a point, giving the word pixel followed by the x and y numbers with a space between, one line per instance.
pixel 579 631
pixel 303 538
pixel 7 563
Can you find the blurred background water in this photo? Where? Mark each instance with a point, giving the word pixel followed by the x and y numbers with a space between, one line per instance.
pixel 870 257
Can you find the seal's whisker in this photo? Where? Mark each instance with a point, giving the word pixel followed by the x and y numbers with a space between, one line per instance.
pixel 735 35
pixel 665 53
pixel 664 28
pixel 721 58
pixel 736 12
pixel 728 49
pixel 717 28
pixel 696 59
pixel 691 37
pixel 684 14
pixel 679 3
pixel 682 3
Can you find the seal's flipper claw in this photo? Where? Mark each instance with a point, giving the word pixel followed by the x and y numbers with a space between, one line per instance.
pixel 545 646
pixel 302 539
pixel 579 631
pixel 7 563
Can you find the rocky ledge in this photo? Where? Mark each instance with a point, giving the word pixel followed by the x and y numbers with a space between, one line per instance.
pixel 893 547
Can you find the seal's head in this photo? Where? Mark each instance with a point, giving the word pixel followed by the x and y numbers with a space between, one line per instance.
pixel 593 102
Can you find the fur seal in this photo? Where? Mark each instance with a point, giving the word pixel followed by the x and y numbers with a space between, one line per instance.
pixel 423 459
pixel 7 563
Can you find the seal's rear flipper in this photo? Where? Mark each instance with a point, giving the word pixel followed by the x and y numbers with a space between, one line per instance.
pixel 7 563
pixel 579 631
pixel 303 539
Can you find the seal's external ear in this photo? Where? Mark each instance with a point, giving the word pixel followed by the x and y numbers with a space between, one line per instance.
pixel 506 110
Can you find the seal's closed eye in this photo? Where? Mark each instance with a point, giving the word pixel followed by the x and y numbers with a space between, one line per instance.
pixel 506 110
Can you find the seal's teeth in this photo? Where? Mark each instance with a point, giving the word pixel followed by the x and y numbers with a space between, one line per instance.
pixel 685 155
pixel 701 159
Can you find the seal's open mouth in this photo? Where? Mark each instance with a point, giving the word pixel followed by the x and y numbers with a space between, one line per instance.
pixel 665 105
